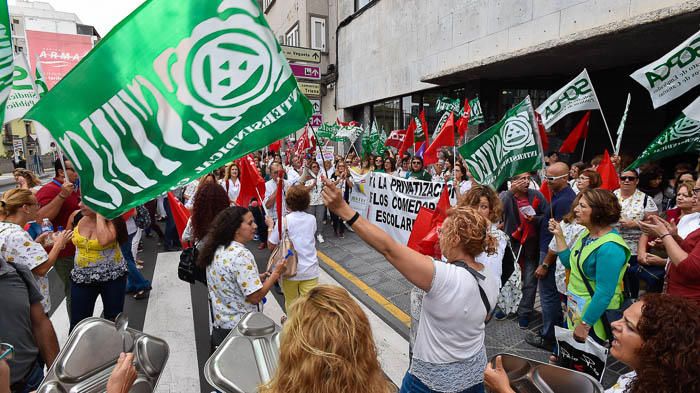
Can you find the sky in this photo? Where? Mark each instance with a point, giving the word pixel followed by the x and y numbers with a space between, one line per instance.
pixel 103 14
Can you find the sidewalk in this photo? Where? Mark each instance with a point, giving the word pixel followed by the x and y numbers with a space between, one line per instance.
pixel 372 269
pixel 7 179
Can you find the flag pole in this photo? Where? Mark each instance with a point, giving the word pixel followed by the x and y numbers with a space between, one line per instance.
pixel 605 122
pixel 323 159
pixel 584 147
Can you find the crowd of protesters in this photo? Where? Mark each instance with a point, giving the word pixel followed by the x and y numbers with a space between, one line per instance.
pixel 585 249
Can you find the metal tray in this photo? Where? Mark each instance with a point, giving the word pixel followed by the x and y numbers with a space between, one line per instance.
pixel 247 357
pixel 530 376
pixel 88 358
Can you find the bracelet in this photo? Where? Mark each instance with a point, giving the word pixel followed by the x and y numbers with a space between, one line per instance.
pixel 546 266
pixel 353 219
pixel 664 235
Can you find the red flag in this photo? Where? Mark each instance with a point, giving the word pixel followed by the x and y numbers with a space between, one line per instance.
pixel 351 123
pixel 543 132
pixel 523 232
pixel 252 184
pixel 579 132
pixel 431 240
pixel 421 229
pixel 544 189
pixel 395 139
pixel 408 137
pixel 463 121
pixel 446 137
pixel 424 124
pixel 275 146
pixel 180 215
pixel 608 174
pixel 302 144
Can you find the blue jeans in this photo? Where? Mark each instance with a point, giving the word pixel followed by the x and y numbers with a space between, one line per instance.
pixel 172 238
pixel 135 280
pixel 411 384
pixel 550 301
pixel 85 295
pixel 34 378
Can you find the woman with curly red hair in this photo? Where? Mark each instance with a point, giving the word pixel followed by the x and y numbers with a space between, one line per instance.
pixel 658 337
pixel 449 354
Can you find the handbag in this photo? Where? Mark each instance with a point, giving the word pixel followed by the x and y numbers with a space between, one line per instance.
pixel 284 250
pixel 609 315
pixel 187 269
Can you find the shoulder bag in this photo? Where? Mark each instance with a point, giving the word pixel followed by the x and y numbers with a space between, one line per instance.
pixel 484 299
pixel 281 251
pixel 187 269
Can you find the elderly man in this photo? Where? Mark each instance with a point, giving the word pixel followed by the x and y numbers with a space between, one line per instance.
pixel 562 198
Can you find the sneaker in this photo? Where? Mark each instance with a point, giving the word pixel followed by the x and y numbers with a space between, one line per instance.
pixel 538 341
pixel 523 322
pixel 499 315
pixel 320 238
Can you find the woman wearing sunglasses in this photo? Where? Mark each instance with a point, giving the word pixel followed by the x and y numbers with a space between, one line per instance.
pixel 636 206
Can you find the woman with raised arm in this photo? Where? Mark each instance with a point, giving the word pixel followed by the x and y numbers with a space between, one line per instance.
pixel 449 354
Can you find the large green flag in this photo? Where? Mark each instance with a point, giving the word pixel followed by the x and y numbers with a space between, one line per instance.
pixel 447 104
pixel 681 136
pixel 326 130
pixel 6 60
pixel 151 109
pixel 506 149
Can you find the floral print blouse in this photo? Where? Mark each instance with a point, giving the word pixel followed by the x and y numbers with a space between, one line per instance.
pixel 232 276
pixel 17 246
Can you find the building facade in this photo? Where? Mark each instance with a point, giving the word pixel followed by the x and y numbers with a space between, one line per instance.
pixel 39 17
pixel 309 24
pixel 398 56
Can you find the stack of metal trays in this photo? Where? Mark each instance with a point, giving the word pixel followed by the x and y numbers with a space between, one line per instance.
pixel 247 357
pixel 528 376
pixel 88 358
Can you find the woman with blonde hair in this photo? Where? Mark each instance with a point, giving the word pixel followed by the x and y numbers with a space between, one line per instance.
pixel 327 346
pixel 449 354
pixel 17 207
pixel 26 179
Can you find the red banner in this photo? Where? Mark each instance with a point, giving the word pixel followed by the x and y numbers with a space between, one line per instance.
pixel 57 52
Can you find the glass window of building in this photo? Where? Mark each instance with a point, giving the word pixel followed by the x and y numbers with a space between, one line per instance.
pixel 410 106
pixel 318 33
pixel 292 38
pixel 430 99
pixel 359 4
pixel 388 115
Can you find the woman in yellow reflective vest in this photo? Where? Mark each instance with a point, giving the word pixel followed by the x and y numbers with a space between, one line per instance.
pixel 599 256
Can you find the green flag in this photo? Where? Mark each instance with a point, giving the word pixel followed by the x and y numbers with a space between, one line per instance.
pixel 151 110
pixel 506 149
pixel 23 94
pixel 681 136
pixel 326 130
pixel 40 80
pixel 368 138
pixel 379 147
pixel 477 115
pixel 6 60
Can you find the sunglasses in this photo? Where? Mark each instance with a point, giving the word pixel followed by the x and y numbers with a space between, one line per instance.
pixel 415 162
pixel 628 178
pixel 553 178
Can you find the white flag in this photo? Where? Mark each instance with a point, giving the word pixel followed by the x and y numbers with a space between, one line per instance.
pixel 577 95
pixel 673 74
pixel 23 95
pixel 693 110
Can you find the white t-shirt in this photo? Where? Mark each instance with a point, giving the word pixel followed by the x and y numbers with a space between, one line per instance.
pixel 292 175
pixel 452 316
pixel 495 261
pixel 622 382
pixel 301 227
pixel 270 188
pixel 687 224
pixel 234 188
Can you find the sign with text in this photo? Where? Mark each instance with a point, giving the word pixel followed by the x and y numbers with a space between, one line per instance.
pixel 310 89
pixel 306 71
pixel 295 53
pixel 58 53
pixel 316 120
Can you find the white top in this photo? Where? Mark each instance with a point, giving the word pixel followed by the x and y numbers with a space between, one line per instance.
pixel 494 262
pixel 464 186
pixel 452 316
pixel 301 227
pixel 622 382
pixel 131 225
pixel 315 197
pixel 191 189
pixel 292 175
pixel 17 246
pixel 270 188
pixel 234 188
pixel 688 223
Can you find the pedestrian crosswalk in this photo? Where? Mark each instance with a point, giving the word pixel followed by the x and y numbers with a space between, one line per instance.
pixel 177 312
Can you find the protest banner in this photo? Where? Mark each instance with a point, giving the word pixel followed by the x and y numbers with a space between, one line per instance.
pixel 507 148
pixel 156 116
pixel 359 196
pixel 393 203
pixel 681 136
pixel 673 74
pixel 325 153
pixel 6 59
